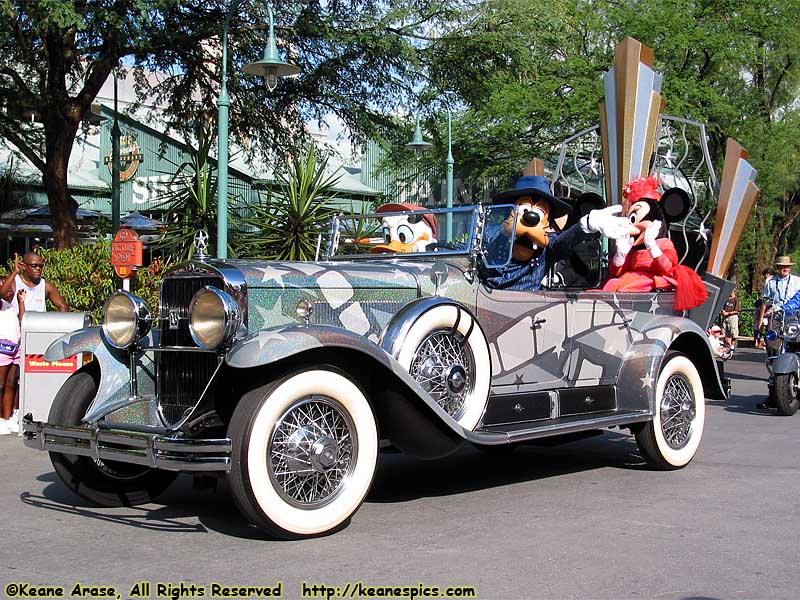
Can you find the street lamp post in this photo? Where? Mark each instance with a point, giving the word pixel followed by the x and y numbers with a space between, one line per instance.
pixel 115 164
pixel 418 144
pixel 270 67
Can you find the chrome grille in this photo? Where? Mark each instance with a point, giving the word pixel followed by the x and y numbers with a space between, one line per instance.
pixel 181 376
pixel 380 310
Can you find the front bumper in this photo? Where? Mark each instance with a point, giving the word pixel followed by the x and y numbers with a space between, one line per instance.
pixel 141 448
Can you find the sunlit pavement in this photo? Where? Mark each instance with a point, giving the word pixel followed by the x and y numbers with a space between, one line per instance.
pixel 584 520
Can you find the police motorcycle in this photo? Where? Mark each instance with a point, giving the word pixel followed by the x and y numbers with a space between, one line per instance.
pixel 783 360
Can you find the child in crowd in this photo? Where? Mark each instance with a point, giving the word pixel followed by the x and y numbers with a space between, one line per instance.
pixel 9 359
pixel 721 350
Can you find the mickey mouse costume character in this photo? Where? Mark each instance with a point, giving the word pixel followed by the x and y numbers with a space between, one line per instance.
pixel 406 233
pixel 537 243
pixel 647 260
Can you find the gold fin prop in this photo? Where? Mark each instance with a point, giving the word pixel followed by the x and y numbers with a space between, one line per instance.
pixel 535 167
pixel 737 197
pixel 629 116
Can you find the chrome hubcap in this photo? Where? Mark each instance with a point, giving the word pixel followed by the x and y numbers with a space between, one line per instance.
pixel 445 368
pixel 678 410
pixel 312 451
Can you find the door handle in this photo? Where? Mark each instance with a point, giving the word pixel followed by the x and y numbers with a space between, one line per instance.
pixel 537 323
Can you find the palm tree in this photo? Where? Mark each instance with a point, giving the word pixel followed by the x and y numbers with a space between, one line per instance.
pixel 286 226
pixel 190 204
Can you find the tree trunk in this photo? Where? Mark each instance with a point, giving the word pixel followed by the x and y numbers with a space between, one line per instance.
pixel 59 142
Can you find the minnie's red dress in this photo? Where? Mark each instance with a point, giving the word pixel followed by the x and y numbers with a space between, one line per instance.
pixel 642 273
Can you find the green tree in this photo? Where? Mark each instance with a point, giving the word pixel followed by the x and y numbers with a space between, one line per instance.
pixel 359 62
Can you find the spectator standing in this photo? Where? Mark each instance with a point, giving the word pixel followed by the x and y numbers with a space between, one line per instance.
pixel 27 275
pixel 758 320
pixel 730 320
pixel 9 358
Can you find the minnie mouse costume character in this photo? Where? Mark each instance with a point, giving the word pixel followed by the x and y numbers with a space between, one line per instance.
pixel 649 261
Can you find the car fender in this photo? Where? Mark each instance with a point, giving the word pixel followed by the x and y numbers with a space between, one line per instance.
pixel 653 339
pixel 397 329
pixel 397 403
pixel 785 363
pixel 114 390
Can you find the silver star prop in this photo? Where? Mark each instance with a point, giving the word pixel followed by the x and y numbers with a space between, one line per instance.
pixel 201 242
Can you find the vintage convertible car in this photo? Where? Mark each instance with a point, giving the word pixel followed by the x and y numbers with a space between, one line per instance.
pixel 289 377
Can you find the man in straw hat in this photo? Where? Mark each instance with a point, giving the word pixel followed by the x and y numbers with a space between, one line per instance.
pixel 782 286
pixel 778 291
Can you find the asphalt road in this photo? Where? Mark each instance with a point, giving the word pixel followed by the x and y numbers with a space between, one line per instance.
pixel 583 520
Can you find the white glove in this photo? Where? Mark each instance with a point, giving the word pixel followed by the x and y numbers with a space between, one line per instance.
pixel 624 245
pixel 606 221
pixel 650 235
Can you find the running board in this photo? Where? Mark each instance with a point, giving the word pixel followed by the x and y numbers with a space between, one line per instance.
pixel 521 432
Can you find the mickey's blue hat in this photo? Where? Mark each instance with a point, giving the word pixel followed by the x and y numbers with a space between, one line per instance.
pixel 537 187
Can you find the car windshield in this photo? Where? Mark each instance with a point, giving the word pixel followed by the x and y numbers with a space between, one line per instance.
pixel 392 232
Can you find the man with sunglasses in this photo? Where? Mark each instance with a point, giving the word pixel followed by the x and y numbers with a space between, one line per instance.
pixel 27 275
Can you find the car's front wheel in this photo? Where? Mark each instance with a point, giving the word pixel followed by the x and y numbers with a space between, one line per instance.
pixel 446 352
pixel 103 482
pixel 304 451
pixel 671 439
pixel 786 393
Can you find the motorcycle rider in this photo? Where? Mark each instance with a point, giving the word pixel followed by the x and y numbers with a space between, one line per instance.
pixel 789 307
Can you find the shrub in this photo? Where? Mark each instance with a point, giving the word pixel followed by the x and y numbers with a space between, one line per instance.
pixel 85 278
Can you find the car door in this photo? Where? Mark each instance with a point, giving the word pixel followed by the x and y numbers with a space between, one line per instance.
pixel 600 335
pixel 528 339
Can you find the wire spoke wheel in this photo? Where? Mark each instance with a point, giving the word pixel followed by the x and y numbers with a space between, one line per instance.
pixel 304 449
pixel 312 452
pixel 677 411
pixel 671 438
pixel 444 366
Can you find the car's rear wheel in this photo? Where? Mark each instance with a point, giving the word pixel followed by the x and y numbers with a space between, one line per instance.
pixel 786 393
pixel 672 438
pixel 304 451
pixel 102 482
pixel 446 352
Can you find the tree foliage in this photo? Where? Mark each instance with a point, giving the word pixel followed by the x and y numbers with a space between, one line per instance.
pixel 358 59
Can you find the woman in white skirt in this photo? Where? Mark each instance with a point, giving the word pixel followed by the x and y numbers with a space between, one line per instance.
pixel 9 358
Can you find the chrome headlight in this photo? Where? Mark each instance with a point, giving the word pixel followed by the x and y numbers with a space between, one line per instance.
pixel 126 319
pixel 214 317
pixel 792 330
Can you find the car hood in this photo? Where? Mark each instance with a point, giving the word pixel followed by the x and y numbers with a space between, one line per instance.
pixel 329 275
pixel 357 296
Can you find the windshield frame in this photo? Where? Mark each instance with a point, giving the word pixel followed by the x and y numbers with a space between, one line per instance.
pixel 336 231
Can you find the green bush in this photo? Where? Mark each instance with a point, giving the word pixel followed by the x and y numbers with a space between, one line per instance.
pixel 747 301
pixel 85 278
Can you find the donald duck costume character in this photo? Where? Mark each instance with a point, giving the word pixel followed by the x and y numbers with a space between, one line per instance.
pixel 406 233
pixel 537 243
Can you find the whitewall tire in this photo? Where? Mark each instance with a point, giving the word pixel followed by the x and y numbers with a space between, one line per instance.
pixel 446 352
pixel 304 451
pixel 672 438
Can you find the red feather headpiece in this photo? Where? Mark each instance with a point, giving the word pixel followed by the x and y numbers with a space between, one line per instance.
pixel 641 187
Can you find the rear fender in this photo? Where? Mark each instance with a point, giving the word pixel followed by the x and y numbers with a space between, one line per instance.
pixel 636 385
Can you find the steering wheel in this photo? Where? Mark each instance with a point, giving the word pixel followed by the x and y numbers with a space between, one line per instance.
pixel 433 246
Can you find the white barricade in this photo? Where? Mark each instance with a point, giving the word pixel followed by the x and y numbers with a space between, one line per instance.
pixel 39 379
